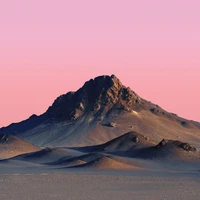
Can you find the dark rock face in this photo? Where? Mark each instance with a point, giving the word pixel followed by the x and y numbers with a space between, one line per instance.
pixel 97 95
pixel 112 124
pixel 162 143
pixel 4 138
pixel 188 147
pixel 175 143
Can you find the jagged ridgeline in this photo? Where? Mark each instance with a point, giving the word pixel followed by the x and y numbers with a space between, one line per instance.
pixel 98 95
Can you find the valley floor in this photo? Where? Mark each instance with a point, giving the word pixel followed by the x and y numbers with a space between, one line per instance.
pixel 99 185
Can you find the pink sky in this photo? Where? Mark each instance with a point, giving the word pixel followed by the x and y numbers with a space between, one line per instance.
pixel 48 48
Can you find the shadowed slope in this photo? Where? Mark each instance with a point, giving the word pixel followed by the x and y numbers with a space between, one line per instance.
pixel 107 162
pixel 47 155
pixel 76 160
pixel 126 142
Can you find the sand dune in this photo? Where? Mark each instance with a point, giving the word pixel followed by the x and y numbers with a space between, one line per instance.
pixel 85 158
pixel 106 162
pixel 47 155
pixel 127 142
pixel 11 146
pixel 119 153
pixel 169 150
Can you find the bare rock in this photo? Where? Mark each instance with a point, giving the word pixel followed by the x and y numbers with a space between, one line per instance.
pixel 188 147
pixel 112 124
pixel 97 95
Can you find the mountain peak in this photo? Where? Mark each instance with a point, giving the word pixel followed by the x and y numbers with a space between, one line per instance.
pixel 104 82
pixel 97 95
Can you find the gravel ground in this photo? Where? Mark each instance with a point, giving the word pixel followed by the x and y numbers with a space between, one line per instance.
pixel 100 186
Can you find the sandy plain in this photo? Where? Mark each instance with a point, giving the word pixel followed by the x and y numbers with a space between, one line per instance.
pixel 99 185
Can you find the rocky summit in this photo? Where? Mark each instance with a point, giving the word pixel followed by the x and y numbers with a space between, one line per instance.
pixel 97 95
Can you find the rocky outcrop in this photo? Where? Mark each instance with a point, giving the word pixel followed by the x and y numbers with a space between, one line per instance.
pixel 175 144
pixel 4 138
pixel 97 95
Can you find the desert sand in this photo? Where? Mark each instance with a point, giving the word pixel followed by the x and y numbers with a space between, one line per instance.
pixel 62 173
pixel 100 186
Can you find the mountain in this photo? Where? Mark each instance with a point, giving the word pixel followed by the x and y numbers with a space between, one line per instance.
pixel 101 110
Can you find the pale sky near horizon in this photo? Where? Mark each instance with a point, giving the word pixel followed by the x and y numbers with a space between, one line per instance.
pixel 48 48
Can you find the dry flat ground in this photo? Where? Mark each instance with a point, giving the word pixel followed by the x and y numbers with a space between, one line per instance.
pixel 96 185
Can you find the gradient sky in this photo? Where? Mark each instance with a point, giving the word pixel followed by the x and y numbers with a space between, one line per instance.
pixel 48 48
